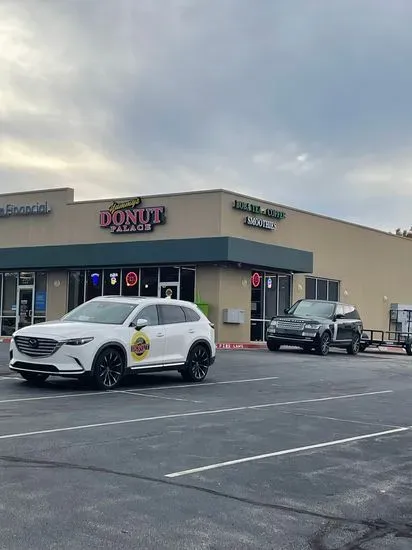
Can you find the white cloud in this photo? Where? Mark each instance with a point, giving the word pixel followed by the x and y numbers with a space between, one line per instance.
pixel 299 104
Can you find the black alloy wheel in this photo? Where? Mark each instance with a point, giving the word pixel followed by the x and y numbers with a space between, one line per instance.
pixel 108 369
pixel 34 377
pixel 273 346
pixel 355 346
pixel 197 364
pixel 324 344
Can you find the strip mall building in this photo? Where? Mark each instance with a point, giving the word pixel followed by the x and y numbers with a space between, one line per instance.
pixel 241 259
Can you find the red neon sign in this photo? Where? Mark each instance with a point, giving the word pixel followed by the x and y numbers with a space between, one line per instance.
pixel 256 278
pixel 131 278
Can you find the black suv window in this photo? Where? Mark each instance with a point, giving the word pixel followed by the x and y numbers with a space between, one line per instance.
pixel 191 315
pixel 350 312
pixel 171 315
pixel 150 314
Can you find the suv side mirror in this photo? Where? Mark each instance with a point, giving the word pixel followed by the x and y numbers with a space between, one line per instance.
pixel 339 316
pixel 140 323
pixel 286 310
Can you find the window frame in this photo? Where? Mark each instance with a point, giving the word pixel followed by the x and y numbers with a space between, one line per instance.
pixel 328 281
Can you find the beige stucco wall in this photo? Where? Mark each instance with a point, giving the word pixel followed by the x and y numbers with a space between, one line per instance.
pixel 374 268
pixel 56 295
pixel 71 222
pixel 223 288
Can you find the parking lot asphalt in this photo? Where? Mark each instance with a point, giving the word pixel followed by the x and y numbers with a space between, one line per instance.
pixel 273 451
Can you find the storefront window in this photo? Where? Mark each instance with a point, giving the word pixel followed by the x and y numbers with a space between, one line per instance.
pixel 9 294
pixel 187 283
pixel 112 282
pixel 169 274
pixel 321 289
pixel 94 283
pixel 40 298
pixel 76 289
pixel 149 281
pixel 131 281
pixel 284 293
pixel 270 296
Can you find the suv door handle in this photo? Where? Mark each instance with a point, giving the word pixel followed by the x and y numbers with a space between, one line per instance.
pixel 191 330
pixel 160 334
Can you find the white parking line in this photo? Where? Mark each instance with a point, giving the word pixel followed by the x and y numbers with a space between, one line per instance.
pixel 140 390
pixel 150 395
pixel 182 415
pixel 286 452
pixel 10 378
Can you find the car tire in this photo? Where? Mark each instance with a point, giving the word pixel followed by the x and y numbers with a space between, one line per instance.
pixel 355 346
pixel 108 369
pixel 197 364
pixel 272 346
pixel 323 346
pixel 34 377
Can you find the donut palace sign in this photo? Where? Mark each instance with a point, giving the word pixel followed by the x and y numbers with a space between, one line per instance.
pixel 130 217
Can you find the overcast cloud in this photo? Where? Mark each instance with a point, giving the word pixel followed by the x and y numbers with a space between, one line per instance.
pixel 302 102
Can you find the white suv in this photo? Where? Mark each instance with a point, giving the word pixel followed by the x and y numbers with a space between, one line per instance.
pixel 109 336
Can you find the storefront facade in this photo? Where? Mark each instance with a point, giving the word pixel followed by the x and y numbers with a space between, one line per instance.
pixel 241 259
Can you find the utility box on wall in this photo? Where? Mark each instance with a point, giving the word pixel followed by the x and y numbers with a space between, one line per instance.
pixel 234 316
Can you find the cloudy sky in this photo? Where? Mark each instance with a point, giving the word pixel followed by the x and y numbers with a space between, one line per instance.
pixel 302 102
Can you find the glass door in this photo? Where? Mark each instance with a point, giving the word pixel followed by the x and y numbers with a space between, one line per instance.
pixel 24 313
pixel 169 290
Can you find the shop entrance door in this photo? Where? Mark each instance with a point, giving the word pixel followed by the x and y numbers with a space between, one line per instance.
pixel 24 310
pixel 166 288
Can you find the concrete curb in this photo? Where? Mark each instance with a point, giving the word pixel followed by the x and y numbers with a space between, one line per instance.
pixel 233 346
pixel 5 340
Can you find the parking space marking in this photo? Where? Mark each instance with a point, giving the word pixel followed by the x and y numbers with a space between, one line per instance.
pixel 151 388
pixel 286 452
pixel 10 378
pixel 202 384
pixel 185 414
pixel 307 414
pixel 129 392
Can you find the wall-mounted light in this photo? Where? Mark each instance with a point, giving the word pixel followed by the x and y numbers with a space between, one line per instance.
pixel 56 283
pixel 300 287
pixel 345 293
pixel 385 298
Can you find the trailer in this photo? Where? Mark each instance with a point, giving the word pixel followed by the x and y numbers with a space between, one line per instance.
pixel 387 339
pixel 399 334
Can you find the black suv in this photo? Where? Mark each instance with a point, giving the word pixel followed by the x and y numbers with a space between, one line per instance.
pixel 318 325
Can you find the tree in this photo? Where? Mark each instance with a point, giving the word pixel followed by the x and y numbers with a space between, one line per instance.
pixel 404 232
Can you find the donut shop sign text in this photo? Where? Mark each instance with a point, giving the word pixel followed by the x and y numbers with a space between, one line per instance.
pixel 130 217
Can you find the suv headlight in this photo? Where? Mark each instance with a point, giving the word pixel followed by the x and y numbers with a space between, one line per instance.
pixel 312 326
pixel 78 341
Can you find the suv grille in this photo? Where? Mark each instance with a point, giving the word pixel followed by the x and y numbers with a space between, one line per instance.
pixel 36 347
pixel 291 325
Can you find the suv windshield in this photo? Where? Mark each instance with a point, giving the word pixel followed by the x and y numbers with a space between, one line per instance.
pixel 107 313
pixel 312 308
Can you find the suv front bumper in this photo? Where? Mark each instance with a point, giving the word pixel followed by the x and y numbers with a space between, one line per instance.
pixel 292 339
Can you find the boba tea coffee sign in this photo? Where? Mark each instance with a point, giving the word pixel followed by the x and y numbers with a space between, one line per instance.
pixel 131 217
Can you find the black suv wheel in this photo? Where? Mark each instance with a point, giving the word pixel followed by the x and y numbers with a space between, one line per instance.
pixel 197 364
pixel 272 346
pixel 323 346
pixel 355 346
